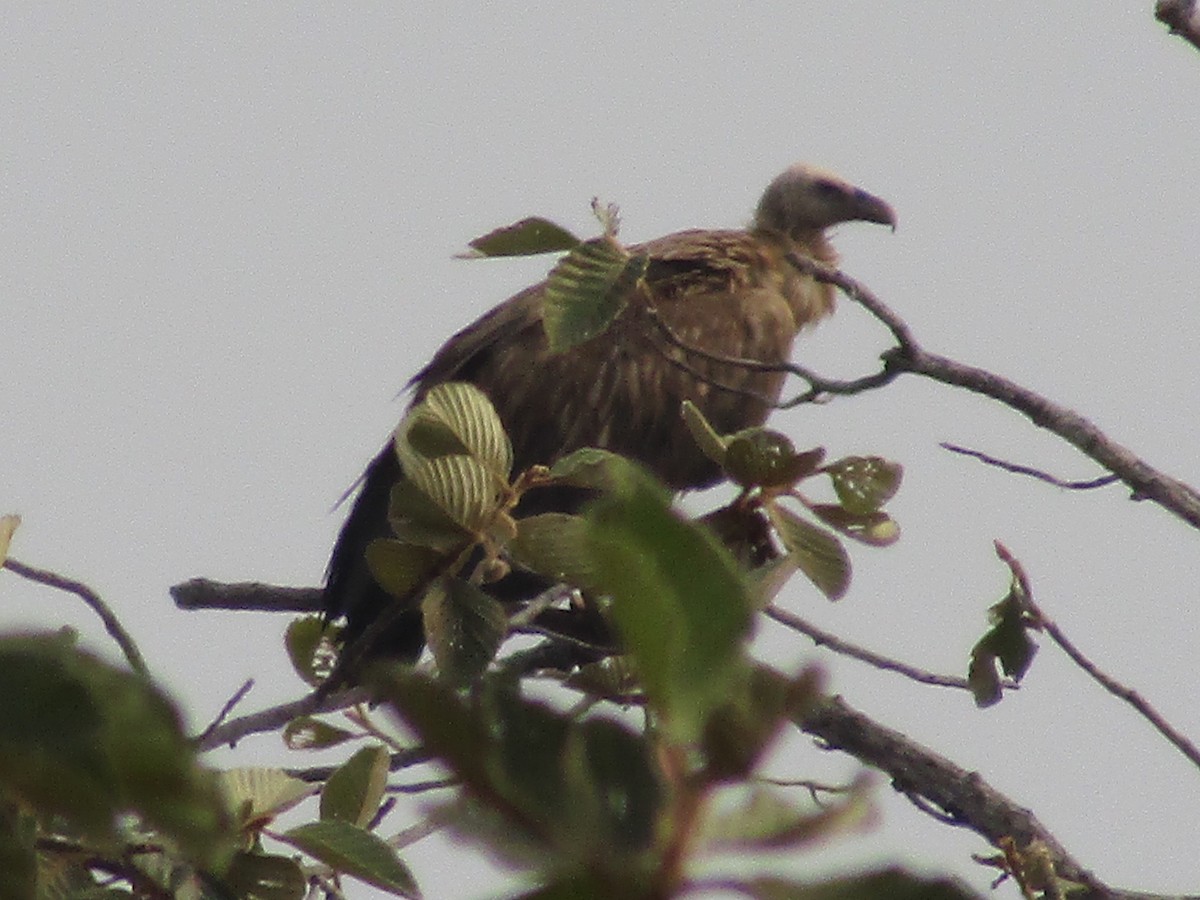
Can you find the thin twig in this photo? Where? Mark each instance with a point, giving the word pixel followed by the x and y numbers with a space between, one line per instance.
pixel 111 623
pixel 276 717
pixel 422 787
pixel 1114 687
pixel 397 760
pixel 837 645
pixel 1145 481
pixel 225 710
pixel 861 295
pixel 414 833
pixel 1018 469
pixel 819 386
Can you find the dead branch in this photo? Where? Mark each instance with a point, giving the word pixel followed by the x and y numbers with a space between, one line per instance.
pixel 94 602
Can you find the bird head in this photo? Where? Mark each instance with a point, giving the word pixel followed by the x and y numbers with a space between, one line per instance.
pixel 804 199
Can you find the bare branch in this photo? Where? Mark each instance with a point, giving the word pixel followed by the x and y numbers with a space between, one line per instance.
pixel 1102 481
pixel 1146 481
pixel 276 717
pixel 837 645
pixel 245 596
pixel 1110 684
pixel 860 294
pixel 963 797
pixel 1182 17
pixel 397 760
pixel 819 386
pixel 227 708
pixel 111 623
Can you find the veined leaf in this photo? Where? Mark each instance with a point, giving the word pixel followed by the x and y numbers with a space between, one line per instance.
pixel 587 290
pixel 455 418
pixel 400 568
pixel 875 528
pixel 678 600
pixel 528 237
pixel 464 628
pixel 816 552
pixel 356 852
pixel 460 486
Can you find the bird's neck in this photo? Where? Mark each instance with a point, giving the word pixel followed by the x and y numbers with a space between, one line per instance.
pixel 809 299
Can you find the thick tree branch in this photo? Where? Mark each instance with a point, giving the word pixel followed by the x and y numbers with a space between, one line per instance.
pixel 230 732
pixel 245 596
pixel 907 356
pixel 1146 482
pixel 960 796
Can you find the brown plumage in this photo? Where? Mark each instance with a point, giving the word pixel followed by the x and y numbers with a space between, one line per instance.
pixel 730 293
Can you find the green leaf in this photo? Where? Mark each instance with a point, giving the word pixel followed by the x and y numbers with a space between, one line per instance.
pixel 310 733
pixel 460 486
pixel 766 820
pixel 416 519
pixel 401 568
pixel 678 600
pixel 877 529
pixel 571 788
pixel 1006 643
pixel 456 418
pixel 356 852
pixel 587 290
pixel 816 552
pixel 309 649
pixel 464 628
pixel 767 580
pixel 894 884
pixel 18 858
pixel 88 741
pixel 355 789
pixel 259 794
pixel 739 733
pixel 451 731
pixel 591 467
pixel 555 545
pixel 864 483
pixel 612 677
pixel 263 877
pixel 614 791
pixel 528 237
pixel 760 457
pixel 711 444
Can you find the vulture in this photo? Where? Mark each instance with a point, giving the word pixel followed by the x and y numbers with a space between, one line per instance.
pixel 731 293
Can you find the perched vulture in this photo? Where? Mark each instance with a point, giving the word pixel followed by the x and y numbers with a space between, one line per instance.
pixel 731 293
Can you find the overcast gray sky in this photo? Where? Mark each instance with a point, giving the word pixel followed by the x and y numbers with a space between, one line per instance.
pixel 226 239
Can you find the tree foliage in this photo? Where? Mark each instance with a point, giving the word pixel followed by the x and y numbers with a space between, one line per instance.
pixel 624 768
